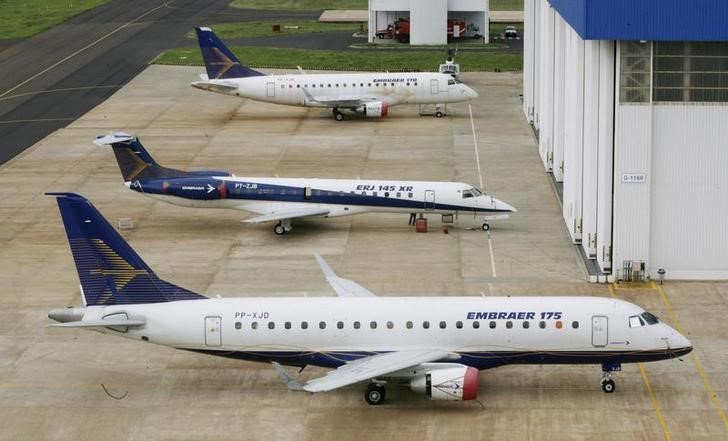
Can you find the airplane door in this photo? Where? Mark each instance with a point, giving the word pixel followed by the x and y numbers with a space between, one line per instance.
pixel 429 199
pixel 213 336
pixel 271 89
pixel 434 87
pixel 600 327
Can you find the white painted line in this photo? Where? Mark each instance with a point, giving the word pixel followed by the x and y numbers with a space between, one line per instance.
pixel 475 145
pixel 492 257
pixel 93 43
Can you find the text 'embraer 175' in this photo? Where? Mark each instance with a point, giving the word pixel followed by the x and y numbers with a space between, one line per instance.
pixel 433 345
pixel 369 94
pixel 283 199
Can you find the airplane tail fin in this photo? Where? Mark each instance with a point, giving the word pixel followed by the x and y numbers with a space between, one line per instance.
pixel 220 62
pixel 111 273
pixel 134 160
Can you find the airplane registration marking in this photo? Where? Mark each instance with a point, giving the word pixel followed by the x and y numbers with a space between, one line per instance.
pixel 252 315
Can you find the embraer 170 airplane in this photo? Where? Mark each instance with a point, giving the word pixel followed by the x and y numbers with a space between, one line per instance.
pixel 370 94
pixel 434 345
pixel 284 199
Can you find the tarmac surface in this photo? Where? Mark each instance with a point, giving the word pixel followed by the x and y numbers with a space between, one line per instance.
pixel 52 380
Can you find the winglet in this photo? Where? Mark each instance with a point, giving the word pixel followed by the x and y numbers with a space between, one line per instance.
pixel 342 287
pixel 290 382
pixel 325 268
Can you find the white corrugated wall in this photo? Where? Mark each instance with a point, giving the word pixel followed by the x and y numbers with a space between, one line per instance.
pixel 590 156
pixel 545 88
pixel 528 58
pixel 605 176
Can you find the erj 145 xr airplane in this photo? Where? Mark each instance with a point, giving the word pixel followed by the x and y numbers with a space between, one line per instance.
pixel 434 345
pixel 369 94
pixel 283 199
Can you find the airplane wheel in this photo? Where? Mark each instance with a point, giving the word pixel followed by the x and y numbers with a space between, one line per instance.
pixel 338 116
pixel 279 230
pixel 485 226
pixel 374 394
pixel 439 114
pixel 608 386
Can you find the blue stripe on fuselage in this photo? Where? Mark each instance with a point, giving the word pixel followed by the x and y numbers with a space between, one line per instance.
pixel 212 189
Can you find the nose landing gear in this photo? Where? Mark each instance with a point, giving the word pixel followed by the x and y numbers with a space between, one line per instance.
pixel 608 385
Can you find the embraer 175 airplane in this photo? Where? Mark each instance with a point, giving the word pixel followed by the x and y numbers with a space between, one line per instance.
pixel 434 345
pixel 284 199
pixel 370 94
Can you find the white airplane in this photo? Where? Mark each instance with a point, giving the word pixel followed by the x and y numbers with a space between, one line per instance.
pixel 434 345
pixel 284 199
pixel 370 94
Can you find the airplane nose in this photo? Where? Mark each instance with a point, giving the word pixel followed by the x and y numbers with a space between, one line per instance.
pixel 502 206
pixel 471 93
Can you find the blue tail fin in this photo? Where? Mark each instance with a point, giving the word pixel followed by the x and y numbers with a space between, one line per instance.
pixel 111 273
pixel 134 160
pixel 220 62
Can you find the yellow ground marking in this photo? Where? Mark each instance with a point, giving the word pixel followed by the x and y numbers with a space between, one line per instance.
pixel 650 392
pixel 693 356
pixel 93 43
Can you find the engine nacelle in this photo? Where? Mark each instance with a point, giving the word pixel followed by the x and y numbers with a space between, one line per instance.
pixel 375 109
pixel 452 383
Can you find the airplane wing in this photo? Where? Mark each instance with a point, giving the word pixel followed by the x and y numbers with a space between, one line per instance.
pixel 288 214
pixel 365 369
pixel 99 323
pixel 350 103
pixel 342 287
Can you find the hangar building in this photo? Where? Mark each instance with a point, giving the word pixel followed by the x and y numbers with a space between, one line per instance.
pixel 629 100
pixel 429 18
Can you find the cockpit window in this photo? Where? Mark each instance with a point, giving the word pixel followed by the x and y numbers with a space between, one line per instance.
pixel 476 192
pixel 451 82
pixel 649 318
pixel 636 321
pixel 467 194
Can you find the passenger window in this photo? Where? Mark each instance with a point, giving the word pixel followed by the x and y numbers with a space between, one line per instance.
pixel 399 194
pixel 271 325
pixel 322 325
pixel 373 325
pixel 509 324
pixel 390 325
pixel 304 325
pixel 386 194
pixel 361 84
pixel 287 325
pixel 337 84
pixel 374 194
pixel 408 84
pixel 329 85
pixel 238 325
pixel 575 325
pixel 542 324
pixel 492 325
pixel 254 325
pixel 377 84
pixel 459 324
pixel 526 325
pixel 321 85
pixel 298 86
pixel 369 84
pixel 409 195
pixel 443 325
pixel 313 85
pixel 426 325
pixel 340 325
pixel 476 324
pixel 357 325
pixel 409 325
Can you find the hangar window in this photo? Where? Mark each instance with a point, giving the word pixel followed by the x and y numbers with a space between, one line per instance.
pixel 459 324
pixel 476 324
pixel 634 76
pixel 492 325
pixel 340 325
pixel 575 325
pixel 357 325
pixel 635 321
pixel 322 325
pixel 426 325
pixel 254 325
pixel 287 325
pixel 409 325
pixel 526 325
pixel 373 325
pixel 649 318
pixel 304 325
pixel 542 324
pixel 690 71
pixel 443 325
pixel 238 325
pixel 509 324
pixel 271 325
pixel 390 325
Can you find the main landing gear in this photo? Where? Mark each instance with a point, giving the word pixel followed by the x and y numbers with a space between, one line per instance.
pixel 282 227
pixel 485 226
pixel 374 395
pixel 608 385
pixel 338 116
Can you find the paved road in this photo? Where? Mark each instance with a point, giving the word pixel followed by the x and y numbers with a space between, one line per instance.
pixel 51 79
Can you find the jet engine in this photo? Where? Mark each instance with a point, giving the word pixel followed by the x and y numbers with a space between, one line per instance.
pixel 375 109
pixel 454 383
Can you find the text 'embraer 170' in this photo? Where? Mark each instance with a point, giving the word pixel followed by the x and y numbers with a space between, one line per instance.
pixel 433 345
pixel 369 94
pixel 282 199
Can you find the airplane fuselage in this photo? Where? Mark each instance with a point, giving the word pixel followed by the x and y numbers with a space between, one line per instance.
pixel 320 90
pixel 482 332
pixel 341 196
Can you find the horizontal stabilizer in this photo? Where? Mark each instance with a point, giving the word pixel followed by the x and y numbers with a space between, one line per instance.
pixel 214 87
pixel 113 138
pixel 100 323
pixel 288 214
